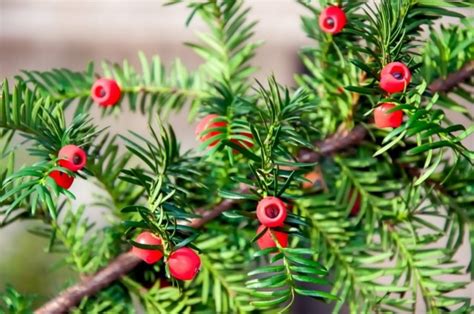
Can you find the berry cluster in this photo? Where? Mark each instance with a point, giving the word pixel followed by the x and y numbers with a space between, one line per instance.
pixel 183 263
pixel 212 126
pixel 394 77
pixel 271 212
pixel 72 158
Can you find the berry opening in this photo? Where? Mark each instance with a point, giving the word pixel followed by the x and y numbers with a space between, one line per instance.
pixel 272 211
pixel 397 75
pixel 329 22
pixel 76 159
pixel 397 72
pixel 100 92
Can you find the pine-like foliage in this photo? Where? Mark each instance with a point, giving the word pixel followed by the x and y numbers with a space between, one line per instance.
pixel 152 90
pixel 377 231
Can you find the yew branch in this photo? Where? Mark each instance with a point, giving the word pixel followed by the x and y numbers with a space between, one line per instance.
pixel 125 262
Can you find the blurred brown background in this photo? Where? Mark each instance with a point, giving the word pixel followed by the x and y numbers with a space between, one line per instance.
pixel 42 34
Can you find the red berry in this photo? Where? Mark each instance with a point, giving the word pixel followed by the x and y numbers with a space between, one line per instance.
pixel 266 240
pixel 208 123
pixel 356 207
pixel 395 77
pixel 384 119
pixel 332 20
pixel 148 256
pixel 105 92
pixel 184 264
pixel 62 179
pixel 271 211
pixel 72 157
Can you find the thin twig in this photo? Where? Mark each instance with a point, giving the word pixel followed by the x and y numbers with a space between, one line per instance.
pixel 339 141
pixel 453 79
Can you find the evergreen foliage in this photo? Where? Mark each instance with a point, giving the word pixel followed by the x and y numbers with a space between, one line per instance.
pixel 415 183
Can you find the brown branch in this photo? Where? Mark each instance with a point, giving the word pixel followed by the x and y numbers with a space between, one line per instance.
pixel 73 295
pixel 335 143
pixel 453 79
pixel 214 213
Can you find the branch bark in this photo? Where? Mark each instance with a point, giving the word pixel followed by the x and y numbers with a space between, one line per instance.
pixel 212 214
pixel 335 143
pixel 126 262
pixel 88 287
pixel 453 79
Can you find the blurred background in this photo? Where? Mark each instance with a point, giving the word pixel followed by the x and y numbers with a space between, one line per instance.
pixel 42 34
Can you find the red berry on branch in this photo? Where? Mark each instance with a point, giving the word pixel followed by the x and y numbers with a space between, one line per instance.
pixel 266 240
pixel 208 123
pixel 184 264
pixel 395 77
pixel 72 157
pixel 62 179
pixel 332 20
pixel 271 211
pixel 105 92
pixel 385 119
pixel 149 256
